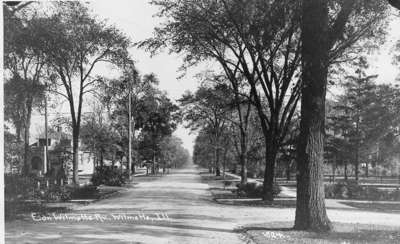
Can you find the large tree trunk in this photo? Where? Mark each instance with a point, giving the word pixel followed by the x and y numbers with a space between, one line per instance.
pixel 269 173
pixel 243 158
pixel 334 169
pixel 75 153
pixel 18 131
pixel 310 206
pixel 356 163
pixel 288 170
pixel 27 166
pixel 101 158
pixel 224 163
pixel 217 166
pixel 243 172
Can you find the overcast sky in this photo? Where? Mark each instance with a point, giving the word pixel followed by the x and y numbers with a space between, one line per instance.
pixel 136 19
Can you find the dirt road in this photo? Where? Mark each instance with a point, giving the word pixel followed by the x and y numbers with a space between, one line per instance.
pixel 175 208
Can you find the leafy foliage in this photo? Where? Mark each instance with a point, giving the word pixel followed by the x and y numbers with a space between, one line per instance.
pixel 363 123
pixel 352 190
pixel 108 176
pixel 253 189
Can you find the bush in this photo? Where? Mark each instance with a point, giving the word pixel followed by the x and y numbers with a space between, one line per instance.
pixel 252 189
pixel 352 190
pixel 54 193
pixel 83 192
pixel 19 188
pixel 251 174
pixel 260 174
pixel 372 193
pixel 108 176
pixel 330 191
pixel 227 183
pixel 22 195
pixel 344 190
pixel 395 195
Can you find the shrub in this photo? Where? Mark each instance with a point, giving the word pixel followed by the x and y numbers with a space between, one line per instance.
pixel 343 190
pixel 108 176
pixel 83 192
pixel 18 188
pixel 260 174
pixel 372 193
pixel 352 190
pixel 251 174
pixel 252 189
pixel 54 193
pixel 395 195
pixel 227 183
pixel 330 191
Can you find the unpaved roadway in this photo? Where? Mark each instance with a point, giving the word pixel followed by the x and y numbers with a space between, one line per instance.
pixel 175 208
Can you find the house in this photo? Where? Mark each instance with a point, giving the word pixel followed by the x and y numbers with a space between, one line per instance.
pixel 59 158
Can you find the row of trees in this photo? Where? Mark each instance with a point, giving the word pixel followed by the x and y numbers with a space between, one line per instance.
pixel 58 54
pixel 362 127
pixel 363 123
pixel 274 55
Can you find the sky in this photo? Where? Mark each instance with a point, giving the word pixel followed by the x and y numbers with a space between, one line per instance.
pixel 136 19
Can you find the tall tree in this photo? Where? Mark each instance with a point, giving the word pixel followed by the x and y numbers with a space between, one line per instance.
pixel 24 87
pixel 359 93
pixel 310 206
pixel 116 94
pixel 203 150
pixel 242 110
pixel 364 116
pixel 158 118
pixel 208 109
pixel 98 135
pixel 74 43
pixel 326 36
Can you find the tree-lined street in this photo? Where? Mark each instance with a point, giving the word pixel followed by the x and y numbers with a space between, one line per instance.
pixel 212 121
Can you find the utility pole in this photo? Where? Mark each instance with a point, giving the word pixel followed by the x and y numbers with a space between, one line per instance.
pixel 45 134
pixel 130 130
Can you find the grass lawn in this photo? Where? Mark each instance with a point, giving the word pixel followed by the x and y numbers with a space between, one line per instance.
pixel 282 232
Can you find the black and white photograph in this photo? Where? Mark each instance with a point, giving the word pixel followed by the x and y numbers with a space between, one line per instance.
pixel 200 121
